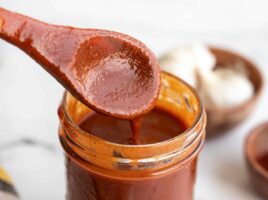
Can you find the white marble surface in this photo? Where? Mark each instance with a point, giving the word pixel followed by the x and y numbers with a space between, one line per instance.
pixel 29 96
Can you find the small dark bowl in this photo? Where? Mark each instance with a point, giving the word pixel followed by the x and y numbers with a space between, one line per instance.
pixel 256 152
pixel 220 120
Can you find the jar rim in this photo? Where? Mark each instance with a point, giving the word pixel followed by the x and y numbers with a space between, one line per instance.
pixel 184 134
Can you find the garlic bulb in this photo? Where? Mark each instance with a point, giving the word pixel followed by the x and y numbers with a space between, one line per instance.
pixel 223 87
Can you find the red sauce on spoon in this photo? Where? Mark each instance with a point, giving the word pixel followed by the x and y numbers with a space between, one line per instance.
pixel 111 72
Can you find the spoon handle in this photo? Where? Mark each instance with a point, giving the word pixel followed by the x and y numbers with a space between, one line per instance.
pixel 25 33
pixel 18 29
pixel 50 45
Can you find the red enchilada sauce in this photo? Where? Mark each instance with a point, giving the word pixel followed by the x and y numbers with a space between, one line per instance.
pixel 83 185
pixel 156 126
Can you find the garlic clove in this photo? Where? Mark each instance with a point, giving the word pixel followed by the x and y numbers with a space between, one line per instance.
pixel 180 62
pixel 205 61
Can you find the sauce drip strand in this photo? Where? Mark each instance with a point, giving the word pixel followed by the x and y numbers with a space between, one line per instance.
pixel 136 129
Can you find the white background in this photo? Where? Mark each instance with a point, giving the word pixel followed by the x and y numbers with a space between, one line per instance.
pixel 29 96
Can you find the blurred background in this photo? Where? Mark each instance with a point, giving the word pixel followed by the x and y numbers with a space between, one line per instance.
pixel 29 97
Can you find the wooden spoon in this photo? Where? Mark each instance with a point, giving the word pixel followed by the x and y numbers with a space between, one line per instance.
pixel 110 72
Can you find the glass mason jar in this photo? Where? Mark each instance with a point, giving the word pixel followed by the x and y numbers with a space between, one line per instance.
pixel 102 170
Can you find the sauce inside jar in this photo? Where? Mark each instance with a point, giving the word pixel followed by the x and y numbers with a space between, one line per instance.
pixel 156 126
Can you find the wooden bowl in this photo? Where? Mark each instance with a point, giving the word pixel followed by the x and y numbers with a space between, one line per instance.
pixel 256 153
pixel 220 120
